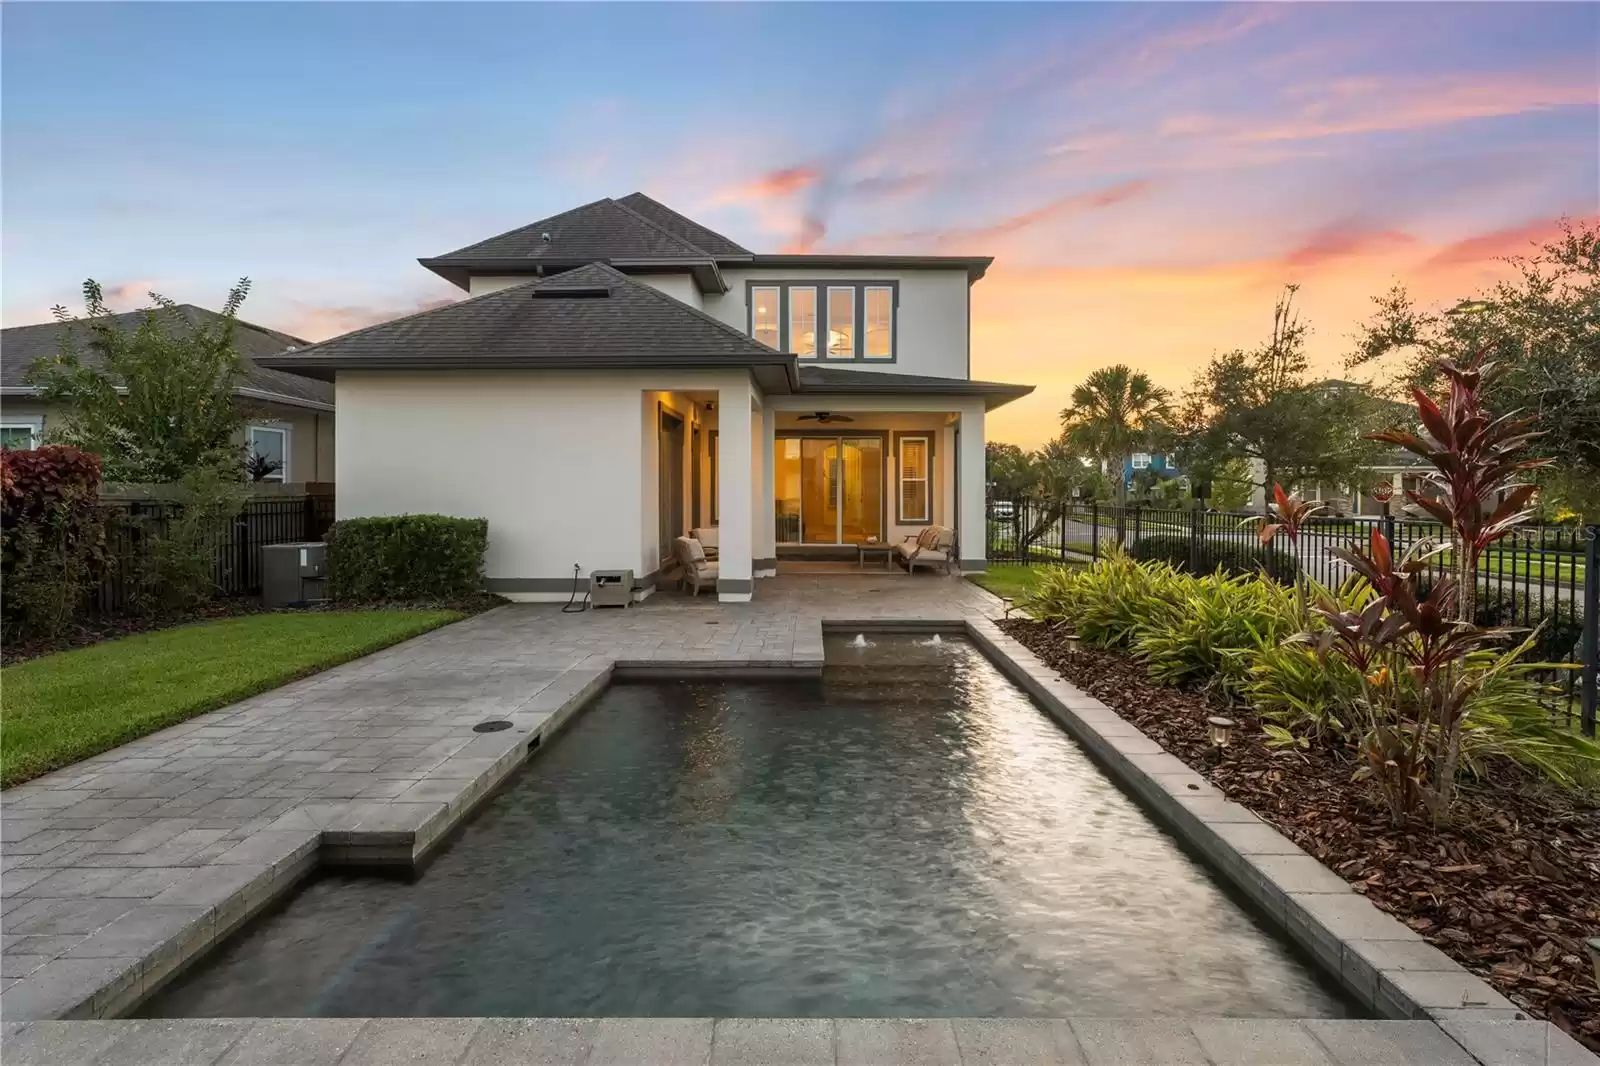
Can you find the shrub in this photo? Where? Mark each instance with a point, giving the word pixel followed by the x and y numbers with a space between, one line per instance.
pixel 179 572
pixel 1302 690
pixel 406 557
pixel 53 539
pixel 1210 555
pixel 1206 630
pixel 1105 603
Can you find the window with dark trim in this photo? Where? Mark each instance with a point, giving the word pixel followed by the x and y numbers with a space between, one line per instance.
pixel 833 320
pixel 764 314
pixel 803 321
pixel 914 468
pixel 716 502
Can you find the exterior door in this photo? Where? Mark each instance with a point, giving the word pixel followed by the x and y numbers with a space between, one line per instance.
pixel 830 490
pixel 670 479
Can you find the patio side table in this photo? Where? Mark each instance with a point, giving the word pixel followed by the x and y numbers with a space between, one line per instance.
pixel 864 550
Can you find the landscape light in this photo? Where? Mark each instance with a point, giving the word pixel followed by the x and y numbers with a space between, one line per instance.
pixel 1221 730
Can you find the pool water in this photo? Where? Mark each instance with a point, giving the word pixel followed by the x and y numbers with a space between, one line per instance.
pixel 907 836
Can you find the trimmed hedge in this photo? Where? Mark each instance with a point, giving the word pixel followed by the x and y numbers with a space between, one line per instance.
pixel 406 558
pixel 1232 557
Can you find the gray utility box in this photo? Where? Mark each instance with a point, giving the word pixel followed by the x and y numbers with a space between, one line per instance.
pixel 610 588
pixel 294 573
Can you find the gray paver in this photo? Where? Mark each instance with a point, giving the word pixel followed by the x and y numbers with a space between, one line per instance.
pixel 659 1041
pixel 46 1043
pixel 897 1042
pixel 772 1042
pixel 1016 1042
pixel 165 1042
pixel 1386 1043
pixel 392 1041
pixel 1137 1042
pixel 294 1042
pixel 530 1042
pixel 1250 1041
pixel 1517 1043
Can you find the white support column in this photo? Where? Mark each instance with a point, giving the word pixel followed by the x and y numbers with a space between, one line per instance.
pixel 971 534
pixel 765 511
pixel 735 434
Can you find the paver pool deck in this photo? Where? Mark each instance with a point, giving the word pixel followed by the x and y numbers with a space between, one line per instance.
pixel 120 869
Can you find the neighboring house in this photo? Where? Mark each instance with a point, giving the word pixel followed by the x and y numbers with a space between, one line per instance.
pixel 620 374
pixel 1138 463
pixel 291 417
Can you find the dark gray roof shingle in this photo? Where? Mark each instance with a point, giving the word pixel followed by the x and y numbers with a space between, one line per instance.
pixel 593 316
pixel 682 226
pixel 22 346
pixel 604 229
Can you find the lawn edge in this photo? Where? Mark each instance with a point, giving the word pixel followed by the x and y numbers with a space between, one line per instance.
pixel 12 778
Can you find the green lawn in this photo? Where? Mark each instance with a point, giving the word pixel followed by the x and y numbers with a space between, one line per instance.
pixel 65 707
pixel 1007 579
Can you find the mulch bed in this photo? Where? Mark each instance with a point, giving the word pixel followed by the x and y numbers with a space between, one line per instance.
pixel 1509 891
pixel 98 630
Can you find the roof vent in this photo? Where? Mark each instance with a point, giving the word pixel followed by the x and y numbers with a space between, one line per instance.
pixel 545 237
pixel 571 292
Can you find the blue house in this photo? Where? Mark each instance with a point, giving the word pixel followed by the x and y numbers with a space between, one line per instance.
pixel 1163 465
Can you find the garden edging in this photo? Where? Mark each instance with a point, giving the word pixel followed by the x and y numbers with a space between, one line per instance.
pixel 1381 962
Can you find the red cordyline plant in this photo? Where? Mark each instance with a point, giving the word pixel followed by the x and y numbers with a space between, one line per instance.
pixel 1411 647
pixel 1416 692
pixel 1291 513
pixel 1475 458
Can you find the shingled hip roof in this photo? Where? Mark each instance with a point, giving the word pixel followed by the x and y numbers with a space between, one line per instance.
pixel 594 317
pixel 22 346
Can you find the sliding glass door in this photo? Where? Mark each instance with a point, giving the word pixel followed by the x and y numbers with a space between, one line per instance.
pixel 829 490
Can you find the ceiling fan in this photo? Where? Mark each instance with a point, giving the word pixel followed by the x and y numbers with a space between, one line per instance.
pixel 824 417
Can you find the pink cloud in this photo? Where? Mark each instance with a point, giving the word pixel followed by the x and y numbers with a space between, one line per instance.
pixel 318 323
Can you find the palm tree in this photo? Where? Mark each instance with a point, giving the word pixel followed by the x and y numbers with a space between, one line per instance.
pixel 1114 412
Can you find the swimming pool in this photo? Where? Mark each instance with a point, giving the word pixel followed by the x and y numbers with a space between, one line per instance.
pixel 907 836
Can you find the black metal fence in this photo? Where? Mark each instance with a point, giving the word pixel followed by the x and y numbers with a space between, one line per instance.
pixel 135 526
pixel 1545 576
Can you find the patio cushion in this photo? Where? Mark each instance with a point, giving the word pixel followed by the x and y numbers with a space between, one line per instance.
pixel 706 535
pixel 707 571
pixel 695 551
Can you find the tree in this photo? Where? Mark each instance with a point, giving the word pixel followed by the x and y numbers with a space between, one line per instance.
pixel 1541 328
pixel 1258 406
pixel 1114 413
pixel 155 402
pixel 1007 470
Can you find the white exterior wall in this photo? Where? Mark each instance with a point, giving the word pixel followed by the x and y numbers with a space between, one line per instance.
pixel 479 286
pixel 931 321
pixel 680 287
pixel 561 465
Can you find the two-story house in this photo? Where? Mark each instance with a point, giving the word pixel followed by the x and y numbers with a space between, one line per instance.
pixel 620 374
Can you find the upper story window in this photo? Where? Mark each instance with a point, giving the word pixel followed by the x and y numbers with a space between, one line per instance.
pixel 832 320
pixel 841 322
pixel 803 321
pixel 764 303
pixel 1141 460
pixel 880 322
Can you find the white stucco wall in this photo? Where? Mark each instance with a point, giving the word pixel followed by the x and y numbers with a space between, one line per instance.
pixel 478 286
pixel 680 287
pixel 562 465
pixel 931 319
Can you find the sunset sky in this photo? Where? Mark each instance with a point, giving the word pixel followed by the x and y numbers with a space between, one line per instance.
pixel 1147 175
